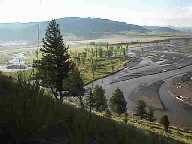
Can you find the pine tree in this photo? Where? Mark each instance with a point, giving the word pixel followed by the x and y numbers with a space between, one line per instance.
pixel 126 118
pixel 90 102
pixel 165 122
pixel 74 84
pixel 118 103
pixel 55 63
pixel 100 51
pixel 99 99
pixel 141 109
pixel 150 114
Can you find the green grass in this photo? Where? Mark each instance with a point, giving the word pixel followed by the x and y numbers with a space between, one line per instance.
pixel 29 113
pixel 103 68
pixel 174 133
pixel 104 65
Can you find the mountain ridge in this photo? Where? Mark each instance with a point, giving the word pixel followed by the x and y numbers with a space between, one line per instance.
pixel 160 29
pixel 73 26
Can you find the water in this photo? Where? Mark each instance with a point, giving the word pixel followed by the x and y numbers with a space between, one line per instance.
pixel 16 64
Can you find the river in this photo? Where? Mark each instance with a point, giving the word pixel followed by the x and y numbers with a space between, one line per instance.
pixel 138 83
pixel 15 64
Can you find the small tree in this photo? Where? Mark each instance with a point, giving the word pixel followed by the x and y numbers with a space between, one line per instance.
pixel 165 122
pixel 89 101
pixel 126 118
pixel 83 57
pixel 141 109
pixel 100 51
pixel 74 84
pixel 55 63
pixel 99 99
pixel 124 52
pixel 118 103
pixel 93 67
pixel 150 114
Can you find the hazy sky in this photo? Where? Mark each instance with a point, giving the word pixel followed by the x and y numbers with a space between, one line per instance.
pixel 142 12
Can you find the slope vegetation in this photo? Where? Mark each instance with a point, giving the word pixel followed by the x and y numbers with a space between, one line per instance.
pixel 28 115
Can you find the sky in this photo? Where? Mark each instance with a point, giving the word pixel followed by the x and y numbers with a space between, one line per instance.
pixel 141 12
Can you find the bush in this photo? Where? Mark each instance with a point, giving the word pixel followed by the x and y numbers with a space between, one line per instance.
pixel 25 106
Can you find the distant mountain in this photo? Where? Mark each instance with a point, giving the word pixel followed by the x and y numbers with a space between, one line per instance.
pixel 89 26
pixel 184 29
pixel 73 27
pixel 160 29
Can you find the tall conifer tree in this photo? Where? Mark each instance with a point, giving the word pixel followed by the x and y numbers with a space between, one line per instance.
pixel 55 63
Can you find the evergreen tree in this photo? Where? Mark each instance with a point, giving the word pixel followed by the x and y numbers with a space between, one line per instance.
pixel 118 103
pixel 83 57
pixel 141 109
pixel 74 84
pixel 90 102
pixel 150 114
pixel 100 51
pixel 165 122
pixel 93 66
pixel 126 118
pixel 55 63
pixel 99 99
pixel 124 52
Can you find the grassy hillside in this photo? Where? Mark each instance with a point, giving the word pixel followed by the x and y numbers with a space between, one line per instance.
pixel 29 115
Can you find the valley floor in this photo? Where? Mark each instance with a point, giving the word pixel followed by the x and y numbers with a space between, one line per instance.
pixel 159 62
